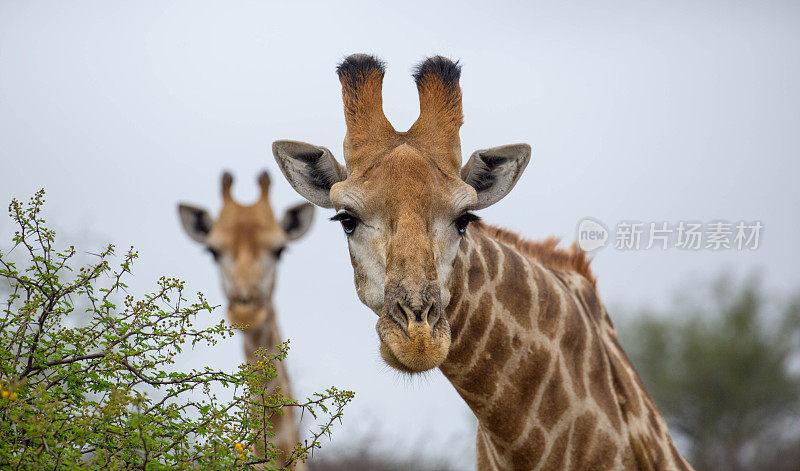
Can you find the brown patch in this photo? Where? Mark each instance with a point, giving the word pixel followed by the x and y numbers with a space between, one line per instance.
pixel 554 400
pixel 628 458
pixel 659 456
pixel 583 432
pixel 628 382
pixel 653 421
pixel 549 304
pixel 523 383
pixel 545 252
pixel 618 359
pixel 457 284
pixel 482 452
pixel 631 402
pixel 558 452
pixel 573 346
pixel 516 342
pixel 490 256
pixel 458 320
pixel 641 451
pixel 456 310
pixel 603 454
pixel 593 306
pixel 513 292
pixel 528 454
pixel 484 375
pixel 475 274
pixel 498 346
pixel 601 387
pixel 477 321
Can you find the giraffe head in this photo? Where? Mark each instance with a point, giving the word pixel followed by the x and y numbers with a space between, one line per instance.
pixel 403 200
pixel 246 243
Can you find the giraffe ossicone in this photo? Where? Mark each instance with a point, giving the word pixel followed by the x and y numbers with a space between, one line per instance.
pixel 516 326
pixel 247 242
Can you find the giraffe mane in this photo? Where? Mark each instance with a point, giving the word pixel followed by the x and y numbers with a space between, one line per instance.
pixel 545 251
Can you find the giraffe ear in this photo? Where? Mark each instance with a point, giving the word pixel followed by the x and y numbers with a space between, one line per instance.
pixel 196 222
pixel 297 220
pixel 311 170
pixel 494 172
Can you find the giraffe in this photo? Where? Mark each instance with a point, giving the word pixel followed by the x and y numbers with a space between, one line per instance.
pixel 516 326
pixel 246 243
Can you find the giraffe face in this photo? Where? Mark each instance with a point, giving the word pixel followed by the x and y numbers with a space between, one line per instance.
pixel 246 243
pixel 404 219
pixel 403 201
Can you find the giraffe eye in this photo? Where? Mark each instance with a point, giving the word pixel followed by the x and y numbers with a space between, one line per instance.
pixel 348 221
pixel 463 221
pixel 214 253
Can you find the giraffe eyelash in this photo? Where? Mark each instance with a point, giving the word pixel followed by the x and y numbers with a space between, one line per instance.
pixel 470 217
pixel 348 220
pixel 342 215
pixel 463 221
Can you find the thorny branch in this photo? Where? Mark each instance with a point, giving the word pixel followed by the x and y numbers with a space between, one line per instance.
pixel 90 378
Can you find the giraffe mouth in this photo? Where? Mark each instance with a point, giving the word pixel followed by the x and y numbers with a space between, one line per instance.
pixel 392 360
pixel 247 314
pixel 417 348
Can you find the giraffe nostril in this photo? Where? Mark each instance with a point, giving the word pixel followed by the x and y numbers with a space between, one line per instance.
pixel 432 314
pixel 402 313
pixel 400 316
pixel 422 314
pixel 405 315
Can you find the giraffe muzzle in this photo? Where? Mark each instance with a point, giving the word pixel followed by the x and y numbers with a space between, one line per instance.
pixel 414 335
pixel 246 311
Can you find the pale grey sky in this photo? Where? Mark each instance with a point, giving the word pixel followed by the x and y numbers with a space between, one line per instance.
pixel 635 111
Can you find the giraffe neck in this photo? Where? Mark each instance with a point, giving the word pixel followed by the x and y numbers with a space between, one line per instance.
pixel 267 335
pixel 535 357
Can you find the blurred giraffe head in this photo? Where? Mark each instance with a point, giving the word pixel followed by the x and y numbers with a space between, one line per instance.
pixel 403 200
pixel 246 243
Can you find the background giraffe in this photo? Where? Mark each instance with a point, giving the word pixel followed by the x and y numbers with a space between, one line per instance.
pixel 515 326
pixel 247 242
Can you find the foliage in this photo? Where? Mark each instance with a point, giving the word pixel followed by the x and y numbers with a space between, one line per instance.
pixel 88 371
pixel 723 370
